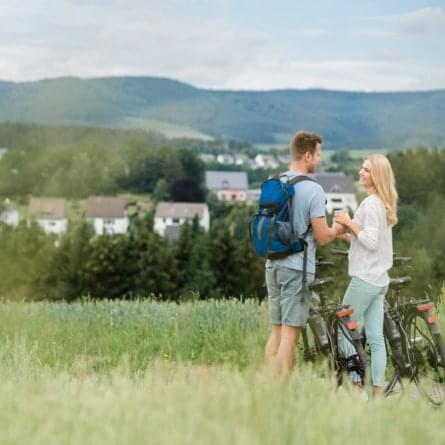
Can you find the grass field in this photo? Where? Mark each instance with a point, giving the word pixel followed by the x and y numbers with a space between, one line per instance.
pixel 149 372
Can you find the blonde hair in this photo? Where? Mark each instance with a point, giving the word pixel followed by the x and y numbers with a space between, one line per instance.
pixel 385 185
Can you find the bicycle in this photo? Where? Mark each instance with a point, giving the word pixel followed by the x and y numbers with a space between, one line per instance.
pixel 326 320
pixel 414 343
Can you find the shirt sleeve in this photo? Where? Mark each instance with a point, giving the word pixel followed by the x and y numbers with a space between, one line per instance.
pixel 368 237
pixel 317 203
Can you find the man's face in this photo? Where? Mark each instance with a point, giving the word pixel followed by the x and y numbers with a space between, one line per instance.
pixel 313 159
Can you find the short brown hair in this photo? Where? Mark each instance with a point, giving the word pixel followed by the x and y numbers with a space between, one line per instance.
pixel 303 142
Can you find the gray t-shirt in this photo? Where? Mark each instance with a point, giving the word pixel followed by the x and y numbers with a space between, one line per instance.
pixel 309 203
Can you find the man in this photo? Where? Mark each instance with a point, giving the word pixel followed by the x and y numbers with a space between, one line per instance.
pixel 289 296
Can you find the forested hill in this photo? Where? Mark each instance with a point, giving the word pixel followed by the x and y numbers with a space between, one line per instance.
pixel 344 119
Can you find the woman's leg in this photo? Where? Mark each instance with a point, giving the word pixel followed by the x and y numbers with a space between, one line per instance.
pixel 356 296
pixel 374 335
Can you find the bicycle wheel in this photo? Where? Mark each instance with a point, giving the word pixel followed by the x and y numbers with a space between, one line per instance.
pixel 393 373
pixel 349 355
pixel 308 347
pixel 428 352
pixel 315 346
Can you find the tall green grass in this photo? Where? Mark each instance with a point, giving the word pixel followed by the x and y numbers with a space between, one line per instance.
pixel 104 332
pixel 158 373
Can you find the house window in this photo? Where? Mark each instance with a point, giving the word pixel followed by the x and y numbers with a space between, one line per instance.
pixel 108 222
pixel 52 224
pixel 336 199
pixel 175 220
pixel 336 189
pixel 225 184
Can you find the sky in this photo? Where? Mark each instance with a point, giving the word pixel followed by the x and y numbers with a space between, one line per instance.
pixel 378 45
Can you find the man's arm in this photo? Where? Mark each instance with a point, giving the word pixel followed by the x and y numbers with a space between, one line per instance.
pixel 323 233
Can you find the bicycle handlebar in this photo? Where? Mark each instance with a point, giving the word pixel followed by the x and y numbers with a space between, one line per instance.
pixel 338 252
pixel 397 260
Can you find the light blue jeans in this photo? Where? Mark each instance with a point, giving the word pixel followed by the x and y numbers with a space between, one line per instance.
pixel 367 302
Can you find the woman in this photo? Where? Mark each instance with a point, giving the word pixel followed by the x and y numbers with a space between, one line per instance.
pixel 370 256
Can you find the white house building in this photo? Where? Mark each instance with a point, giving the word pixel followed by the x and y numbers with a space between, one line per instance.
pixel 108 214
pixel 228 186
pixel 207 158
pixel 8 214
pixel 49 213
pixel 266 161
pixel 170 216
pixel 225 159
pixel 339 190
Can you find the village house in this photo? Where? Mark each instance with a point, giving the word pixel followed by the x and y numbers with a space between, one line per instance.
pixel 283 159
pixel 207 158
pixel 266 161
pixel 8 214
pixel 228 186
pixel 170 216
pixel 225 159
pixel 108 214
pixel 253 195
pixel 242 160
pixel 339 190
pixel 49 213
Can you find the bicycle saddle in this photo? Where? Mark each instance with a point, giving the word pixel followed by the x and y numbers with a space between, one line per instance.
pixel 398 283
pixel 321 283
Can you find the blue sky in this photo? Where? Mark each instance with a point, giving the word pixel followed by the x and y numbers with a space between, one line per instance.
pixel 226 44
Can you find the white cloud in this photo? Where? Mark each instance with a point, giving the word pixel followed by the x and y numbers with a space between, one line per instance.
pixel 422 21
pixel 349 75
pixel 176 39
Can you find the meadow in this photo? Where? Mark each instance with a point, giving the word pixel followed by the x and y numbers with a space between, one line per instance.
pixel 138 372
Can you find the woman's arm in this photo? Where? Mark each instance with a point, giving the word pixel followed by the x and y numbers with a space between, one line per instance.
pixel 368 235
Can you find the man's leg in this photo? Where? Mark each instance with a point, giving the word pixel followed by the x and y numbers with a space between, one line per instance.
pixel 272 345
pixel 286 350
pixel 295 303
pixel 274 296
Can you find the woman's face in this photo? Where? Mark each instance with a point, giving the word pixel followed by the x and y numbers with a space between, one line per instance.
pixel 365 174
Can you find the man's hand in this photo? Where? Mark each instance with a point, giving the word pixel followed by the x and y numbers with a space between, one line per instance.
pixel 338 228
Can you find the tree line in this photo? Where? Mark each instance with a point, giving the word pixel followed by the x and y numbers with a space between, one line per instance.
pixel 75 163
pixel 198 265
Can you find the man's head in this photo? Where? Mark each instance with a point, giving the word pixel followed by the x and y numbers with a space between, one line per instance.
pixel 306 148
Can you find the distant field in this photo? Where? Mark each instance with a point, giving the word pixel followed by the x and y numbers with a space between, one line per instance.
pixel 167 129
pixel 363 153
pixel 148 372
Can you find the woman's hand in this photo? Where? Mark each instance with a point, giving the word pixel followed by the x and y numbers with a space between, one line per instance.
pixel 342 218
pixel 345 237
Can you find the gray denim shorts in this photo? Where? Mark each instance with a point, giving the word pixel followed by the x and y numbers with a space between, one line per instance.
pixel 289 302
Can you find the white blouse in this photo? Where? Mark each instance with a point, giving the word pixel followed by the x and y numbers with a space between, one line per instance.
pixel 370 254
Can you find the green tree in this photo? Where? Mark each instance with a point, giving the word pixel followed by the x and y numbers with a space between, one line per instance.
pixel 224 261
pixel 201 279
pixel 106 271
pixel 66 277
pixel 153 261
pixel 160 192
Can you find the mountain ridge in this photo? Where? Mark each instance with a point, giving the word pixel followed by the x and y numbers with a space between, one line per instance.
pixel 343 118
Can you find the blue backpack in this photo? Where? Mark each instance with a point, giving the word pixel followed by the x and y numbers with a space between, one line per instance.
pixel 271 229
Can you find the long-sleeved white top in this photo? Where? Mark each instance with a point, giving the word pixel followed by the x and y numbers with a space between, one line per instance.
pixel 370 253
